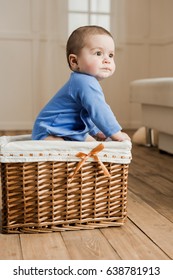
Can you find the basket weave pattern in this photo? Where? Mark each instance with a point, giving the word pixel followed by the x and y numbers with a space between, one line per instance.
pixel 39 197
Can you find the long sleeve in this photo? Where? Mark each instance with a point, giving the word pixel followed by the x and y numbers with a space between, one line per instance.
pixel 92 100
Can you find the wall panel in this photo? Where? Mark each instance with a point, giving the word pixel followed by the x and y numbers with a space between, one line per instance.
pixel 15 16
pixel 31 44
pixel 145 37
pixel 16 84
pixel 33 65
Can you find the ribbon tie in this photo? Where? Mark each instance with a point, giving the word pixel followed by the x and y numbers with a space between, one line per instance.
pixel 93 154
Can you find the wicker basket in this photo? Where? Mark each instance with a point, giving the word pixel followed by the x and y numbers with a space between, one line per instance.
pixel 56 186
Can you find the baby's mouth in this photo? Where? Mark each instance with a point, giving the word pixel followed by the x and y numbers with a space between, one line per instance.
pixel 106 69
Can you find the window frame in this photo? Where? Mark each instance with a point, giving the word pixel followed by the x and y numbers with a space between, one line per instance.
pixel 89 14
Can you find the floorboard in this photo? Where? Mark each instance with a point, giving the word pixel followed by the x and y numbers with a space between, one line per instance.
pixel 160 200
pixel 10 247
pixel 92 243
pixel 49 246
pixel 131 243
pixel 156 227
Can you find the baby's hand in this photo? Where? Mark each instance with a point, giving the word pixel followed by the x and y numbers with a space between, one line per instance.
pixel 125 136
pixel 100 136
pixel 120 136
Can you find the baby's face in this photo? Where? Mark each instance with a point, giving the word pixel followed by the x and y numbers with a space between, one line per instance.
pixel 97 57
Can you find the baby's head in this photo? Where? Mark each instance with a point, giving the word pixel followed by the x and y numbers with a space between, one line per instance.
pixel 87 37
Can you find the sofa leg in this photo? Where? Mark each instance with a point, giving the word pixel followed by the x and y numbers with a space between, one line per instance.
pixel 148 137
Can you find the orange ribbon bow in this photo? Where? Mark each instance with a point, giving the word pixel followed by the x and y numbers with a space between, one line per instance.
pixel 93 154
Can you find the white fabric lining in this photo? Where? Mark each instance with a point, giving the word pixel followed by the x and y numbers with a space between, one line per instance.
pixel 23 149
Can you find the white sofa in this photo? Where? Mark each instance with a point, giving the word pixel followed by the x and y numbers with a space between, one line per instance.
pixel 156 98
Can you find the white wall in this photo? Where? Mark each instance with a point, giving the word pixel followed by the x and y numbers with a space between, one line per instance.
pixel 145 40
pixel 32 58
pixel 33 63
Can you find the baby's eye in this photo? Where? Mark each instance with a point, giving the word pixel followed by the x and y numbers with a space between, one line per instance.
pixel 111 55
pixel 99 53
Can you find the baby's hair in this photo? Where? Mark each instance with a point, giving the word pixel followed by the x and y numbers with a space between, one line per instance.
pixel 78 37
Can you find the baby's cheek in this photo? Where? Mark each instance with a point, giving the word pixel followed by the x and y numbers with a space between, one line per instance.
pixel 93 67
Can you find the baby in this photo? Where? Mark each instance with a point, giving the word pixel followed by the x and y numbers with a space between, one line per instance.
pixel 78 111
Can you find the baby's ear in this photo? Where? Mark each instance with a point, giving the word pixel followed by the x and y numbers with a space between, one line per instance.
pixel 73 62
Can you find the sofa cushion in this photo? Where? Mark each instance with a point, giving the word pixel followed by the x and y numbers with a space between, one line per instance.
pixel 156 91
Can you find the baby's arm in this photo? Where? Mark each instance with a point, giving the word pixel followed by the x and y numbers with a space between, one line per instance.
pixel 120 136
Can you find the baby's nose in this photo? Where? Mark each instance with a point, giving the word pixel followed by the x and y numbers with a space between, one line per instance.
pixel 106 59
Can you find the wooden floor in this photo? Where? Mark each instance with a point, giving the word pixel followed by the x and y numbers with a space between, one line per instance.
pixel 147 234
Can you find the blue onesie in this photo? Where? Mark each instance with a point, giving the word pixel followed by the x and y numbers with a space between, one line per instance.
pixel 76 110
